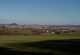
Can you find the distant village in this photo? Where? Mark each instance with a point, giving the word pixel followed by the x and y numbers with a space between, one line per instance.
pixel 36 29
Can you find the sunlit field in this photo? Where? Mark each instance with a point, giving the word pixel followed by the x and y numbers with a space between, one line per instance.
pixel 39 43
pixel 35 38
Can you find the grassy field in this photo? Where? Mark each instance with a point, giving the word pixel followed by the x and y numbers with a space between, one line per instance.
pixel 4 39
pixel 21 38
pixel 28 43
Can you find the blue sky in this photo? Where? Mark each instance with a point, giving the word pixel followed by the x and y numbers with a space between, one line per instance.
pixel 40 11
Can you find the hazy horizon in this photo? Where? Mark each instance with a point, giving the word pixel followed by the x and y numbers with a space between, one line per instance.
pixel 56 12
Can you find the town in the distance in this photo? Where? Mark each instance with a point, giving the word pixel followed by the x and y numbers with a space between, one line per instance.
pixel 36 29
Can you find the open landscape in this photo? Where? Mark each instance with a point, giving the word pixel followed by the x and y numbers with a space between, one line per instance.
pixel 39 27
pixel 41 44
pixel 39 39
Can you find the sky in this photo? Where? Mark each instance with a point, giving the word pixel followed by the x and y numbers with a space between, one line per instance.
pixel 40 11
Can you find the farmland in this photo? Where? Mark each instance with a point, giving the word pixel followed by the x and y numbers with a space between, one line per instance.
pixel 22 38
pixel 6 39
pixel 37 43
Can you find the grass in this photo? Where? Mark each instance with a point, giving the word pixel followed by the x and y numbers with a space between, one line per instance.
pixel 27 43
pixel 5 39
pixel 34 38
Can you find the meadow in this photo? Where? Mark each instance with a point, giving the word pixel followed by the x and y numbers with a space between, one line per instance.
pixel 35 38
pixel 40 43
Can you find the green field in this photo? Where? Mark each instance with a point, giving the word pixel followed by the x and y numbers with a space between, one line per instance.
pixel 24 43
pixel 4 39
pixel 22 38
